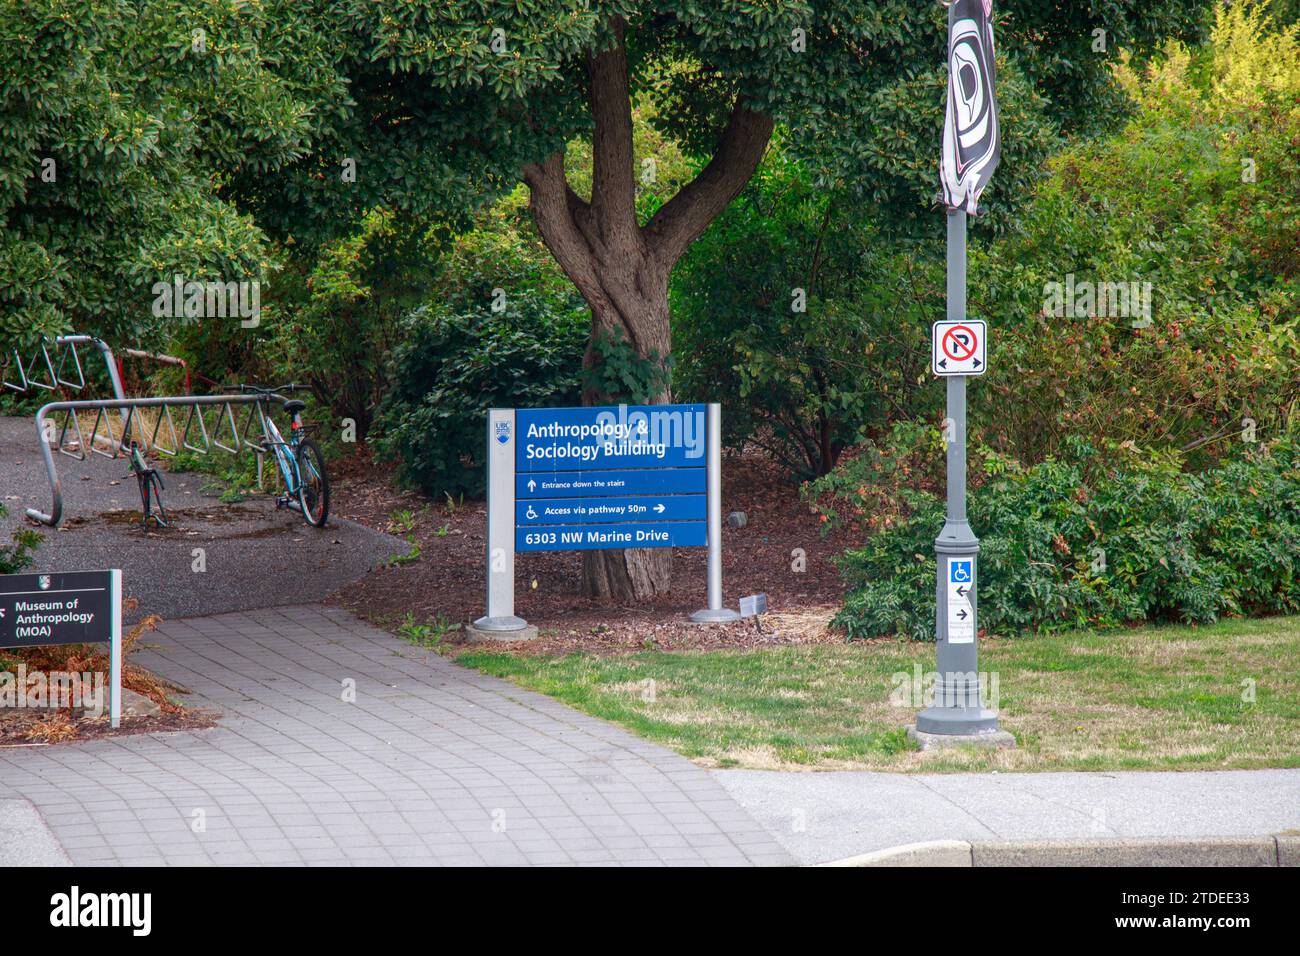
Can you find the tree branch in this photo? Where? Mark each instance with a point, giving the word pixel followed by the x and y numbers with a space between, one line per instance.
pixel 560 213
pixel 682 219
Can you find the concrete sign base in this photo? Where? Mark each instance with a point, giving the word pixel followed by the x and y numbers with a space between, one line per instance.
pixel 995 739
pixel 477 634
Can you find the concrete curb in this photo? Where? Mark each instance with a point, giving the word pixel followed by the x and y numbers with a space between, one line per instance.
pixel 931 853
pixel 1283 850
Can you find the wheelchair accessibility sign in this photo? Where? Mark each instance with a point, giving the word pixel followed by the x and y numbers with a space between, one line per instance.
pixel 961 607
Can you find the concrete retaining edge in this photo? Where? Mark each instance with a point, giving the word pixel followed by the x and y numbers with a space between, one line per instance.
pixel 1281 850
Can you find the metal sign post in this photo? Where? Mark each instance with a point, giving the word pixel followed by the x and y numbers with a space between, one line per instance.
pixel 500 618
pixel 958 708
pixel 715 612
pixel 70 607
pixel 971 152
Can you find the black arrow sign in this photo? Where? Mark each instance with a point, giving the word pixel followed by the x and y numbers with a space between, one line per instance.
pixel 943 363
pixel 977 362
pixel 961 615
pixel 962 591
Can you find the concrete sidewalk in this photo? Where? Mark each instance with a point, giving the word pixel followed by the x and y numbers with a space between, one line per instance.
pixel 823 817
pixel 429 763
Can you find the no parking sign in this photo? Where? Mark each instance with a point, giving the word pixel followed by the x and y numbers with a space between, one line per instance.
pixel 958 348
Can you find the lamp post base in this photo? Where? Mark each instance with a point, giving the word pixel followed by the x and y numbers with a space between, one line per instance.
pixel 993 739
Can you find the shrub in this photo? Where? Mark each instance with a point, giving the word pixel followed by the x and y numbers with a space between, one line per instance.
pixel 453 364
pixel 1197 197
pixel 336 322
pixel 794 313
pixel 872 488
pixel 15 557
pixel 1082 542
pixel 457 356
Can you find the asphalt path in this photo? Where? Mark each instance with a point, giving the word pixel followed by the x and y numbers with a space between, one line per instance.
pixel 253 555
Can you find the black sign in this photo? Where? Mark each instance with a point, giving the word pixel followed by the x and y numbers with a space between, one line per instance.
pixel 74 607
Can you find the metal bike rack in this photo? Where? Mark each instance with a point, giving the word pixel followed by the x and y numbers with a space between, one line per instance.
pixel 196 430
pixel 65 349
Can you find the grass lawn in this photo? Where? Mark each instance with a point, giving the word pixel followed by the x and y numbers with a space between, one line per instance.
pixel 1155 698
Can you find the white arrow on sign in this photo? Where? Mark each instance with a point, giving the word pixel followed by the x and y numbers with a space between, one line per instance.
pixel 532 485
pixel 659 509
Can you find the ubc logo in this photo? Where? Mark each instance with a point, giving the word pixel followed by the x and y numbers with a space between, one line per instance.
pixel 502 432
pixel 44 582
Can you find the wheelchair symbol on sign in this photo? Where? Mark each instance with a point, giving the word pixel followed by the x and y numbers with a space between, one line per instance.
pixel 961 572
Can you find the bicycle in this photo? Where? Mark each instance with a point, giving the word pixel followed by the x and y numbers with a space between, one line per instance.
pixel 299 459
pixel 151 488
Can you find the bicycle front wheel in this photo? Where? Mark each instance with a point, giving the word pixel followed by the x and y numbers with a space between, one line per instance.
pixel 314 484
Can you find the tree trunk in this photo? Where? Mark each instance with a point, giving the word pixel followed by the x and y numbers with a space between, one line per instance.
pixel 622 268
pixel 640 317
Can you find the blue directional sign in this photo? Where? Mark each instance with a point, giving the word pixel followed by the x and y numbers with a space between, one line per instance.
pixel 666 534
pixel 611 510
pixel 572 484
pixel 626 436
pixel 629 476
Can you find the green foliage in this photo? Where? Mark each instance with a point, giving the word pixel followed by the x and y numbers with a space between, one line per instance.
pixel 410 557
pixel 429 634
pixel 860 84
pixel 616 372
pixel 456 355
pixel 1284 11
pixel 446 101
pixel 873 488
pixel 336 325
pixel 120 123
pixel 1070 545
pixel 18 555
pixel 1199 196
pixel 455 362
pixel 793 313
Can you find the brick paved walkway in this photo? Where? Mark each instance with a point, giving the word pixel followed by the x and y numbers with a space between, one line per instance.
pixel 433 763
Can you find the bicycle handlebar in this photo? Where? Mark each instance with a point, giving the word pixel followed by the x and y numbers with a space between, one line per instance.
pixel 259 390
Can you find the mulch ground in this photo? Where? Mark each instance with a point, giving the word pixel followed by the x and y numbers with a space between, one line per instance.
pixel 46 725
pixel 446 583
pixel 43 728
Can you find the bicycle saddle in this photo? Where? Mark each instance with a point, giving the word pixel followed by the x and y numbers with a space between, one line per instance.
pixel 293 406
